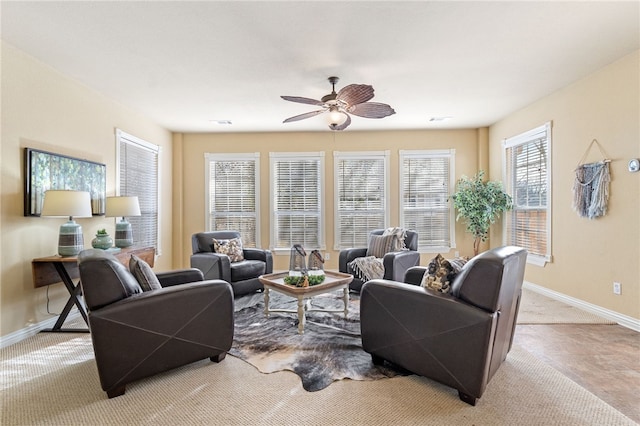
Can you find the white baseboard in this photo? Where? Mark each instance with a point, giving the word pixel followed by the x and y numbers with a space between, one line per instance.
pixel 32 329
pixel 623 320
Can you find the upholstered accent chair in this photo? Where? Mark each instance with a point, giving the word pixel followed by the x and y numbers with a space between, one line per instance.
pixel 242 275
pixel 395 263
pixel 138 334
pixel 459 338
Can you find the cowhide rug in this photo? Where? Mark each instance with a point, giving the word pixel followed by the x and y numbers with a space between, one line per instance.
pixel 330 348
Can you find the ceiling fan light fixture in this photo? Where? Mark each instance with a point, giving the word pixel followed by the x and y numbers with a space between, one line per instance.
pixel 336 117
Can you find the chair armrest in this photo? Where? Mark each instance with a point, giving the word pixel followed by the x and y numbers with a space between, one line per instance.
pixel 396 263
pixel 214 266
pixel 179 276
pixel 414 275
pixel 347 255
pixel 421 307
pixel 260 254
pixel 149 306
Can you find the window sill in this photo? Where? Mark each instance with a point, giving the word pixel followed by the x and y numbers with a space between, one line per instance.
pixel 537 260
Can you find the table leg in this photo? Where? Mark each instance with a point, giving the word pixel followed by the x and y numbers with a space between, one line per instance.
pixel 345 299
pixel 74 291
pixel 301 315
pixel 266 301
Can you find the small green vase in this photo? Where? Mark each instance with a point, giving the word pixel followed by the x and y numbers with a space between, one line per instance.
pixel 102 241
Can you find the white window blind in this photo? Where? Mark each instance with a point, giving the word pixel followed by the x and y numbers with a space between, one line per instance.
pixel 233 193
pixel 426 179
pixel 138 175
pixel 528 181
pixel 361 196
pixel 297 192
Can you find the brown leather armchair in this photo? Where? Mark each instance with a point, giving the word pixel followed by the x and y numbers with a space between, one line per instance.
pixel 243 275
pixel 138 334
pixel 395 263
pixel 458 338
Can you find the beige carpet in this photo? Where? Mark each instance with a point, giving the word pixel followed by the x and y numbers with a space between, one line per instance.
pixel 51 379
pixel 538 309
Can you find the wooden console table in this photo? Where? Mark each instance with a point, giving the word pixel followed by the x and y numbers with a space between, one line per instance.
pixel 54 269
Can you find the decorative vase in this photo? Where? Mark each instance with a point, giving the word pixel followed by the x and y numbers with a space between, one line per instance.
pixel 102 241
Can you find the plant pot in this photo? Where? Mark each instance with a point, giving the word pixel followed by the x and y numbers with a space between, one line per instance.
pixel 102 241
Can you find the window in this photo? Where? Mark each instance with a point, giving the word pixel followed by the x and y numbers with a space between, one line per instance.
pixel 297 191
pixel 138 176
pixel 426 182
pixel 361 196
pixel 527 163
pixel 233 195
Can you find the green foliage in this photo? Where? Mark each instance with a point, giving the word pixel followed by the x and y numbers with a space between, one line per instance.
pixel 480 203
pixel 102 232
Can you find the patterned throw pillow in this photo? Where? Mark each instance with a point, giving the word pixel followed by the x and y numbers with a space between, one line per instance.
pixel 398 242
pixel 379 245
pixel 441 272
pixel 232 248
pixel 143 274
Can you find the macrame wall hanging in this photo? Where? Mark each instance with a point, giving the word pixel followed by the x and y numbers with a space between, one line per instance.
pixel 591 186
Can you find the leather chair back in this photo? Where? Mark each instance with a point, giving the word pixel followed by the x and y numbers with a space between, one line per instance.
pixel 492 281
pixel 410 239
pixel 104 279
pixel 202 242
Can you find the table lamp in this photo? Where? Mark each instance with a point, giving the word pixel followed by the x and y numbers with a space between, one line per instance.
pixel 121 207
pixel 61 203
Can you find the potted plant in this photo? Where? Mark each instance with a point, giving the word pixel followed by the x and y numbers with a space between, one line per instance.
pixel 102 240
pixel 480 203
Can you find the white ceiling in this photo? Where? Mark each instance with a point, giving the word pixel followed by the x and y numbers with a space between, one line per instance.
pixel 187 64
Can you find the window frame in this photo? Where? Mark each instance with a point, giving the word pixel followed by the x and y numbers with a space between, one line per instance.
pixel 425 154
pixel 124 137
pixel 274 158
pixel 521 139
pixel 339 156
pixel 232 157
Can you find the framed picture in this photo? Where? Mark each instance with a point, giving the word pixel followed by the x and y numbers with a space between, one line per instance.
pixel 46 170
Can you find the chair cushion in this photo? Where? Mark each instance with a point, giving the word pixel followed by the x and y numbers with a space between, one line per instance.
pixel 247 269
pixel 232 248
pixel 144 274
pixel 379 245
pixel 441 272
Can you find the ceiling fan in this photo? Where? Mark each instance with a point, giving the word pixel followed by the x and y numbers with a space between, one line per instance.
pixel 351 99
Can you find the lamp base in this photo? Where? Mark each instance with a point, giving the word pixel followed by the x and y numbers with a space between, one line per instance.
pixel 70 241
pixel 124 234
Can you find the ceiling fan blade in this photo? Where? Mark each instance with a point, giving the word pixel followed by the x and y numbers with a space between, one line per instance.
pixel 301 100
pixel 355 94
pixel 343 125
pixel 371 110
pixel 303 116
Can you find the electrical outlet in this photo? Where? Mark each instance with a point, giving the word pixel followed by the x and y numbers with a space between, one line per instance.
pixel 617 288
pixel 456 254
pixel 327 256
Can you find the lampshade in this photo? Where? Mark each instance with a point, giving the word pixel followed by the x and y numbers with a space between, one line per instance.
pixel 121 207
pixel 60 203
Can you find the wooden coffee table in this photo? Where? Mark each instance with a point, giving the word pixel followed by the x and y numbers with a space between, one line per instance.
pixel 333 281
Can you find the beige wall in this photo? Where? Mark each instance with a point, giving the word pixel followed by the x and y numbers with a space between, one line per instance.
pixel 192 181
pixel 45 110
pixel 589 255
